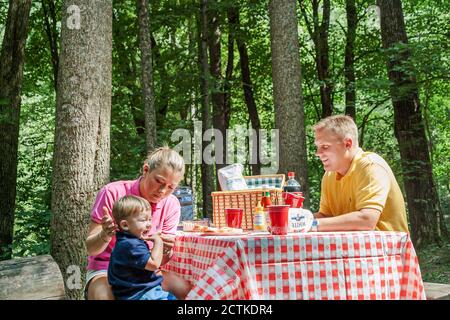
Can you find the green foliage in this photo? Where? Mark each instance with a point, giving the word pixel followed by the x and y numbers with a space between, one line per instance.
pixel 37 123
pixel 32 217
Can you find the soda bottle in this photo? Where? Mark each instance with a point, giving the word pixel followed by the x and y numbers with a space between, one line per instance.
pixel 292 185
pixel 292 192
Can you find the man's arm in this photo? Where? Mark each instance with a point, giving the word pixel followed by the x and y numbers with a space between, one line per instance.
pixel 362 220
pixel 319 215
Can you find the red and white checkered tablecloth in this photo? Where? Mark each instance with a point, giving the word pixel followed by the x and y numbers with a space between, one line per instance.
pixel 320 265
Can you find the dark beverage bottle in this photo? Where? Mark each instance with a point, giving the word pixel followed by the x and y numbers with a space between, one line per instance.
pixel 292 185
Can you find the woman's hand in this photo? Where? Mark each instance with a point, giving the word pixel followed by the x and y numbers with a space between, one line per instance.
pixel 108 226
pixel 155 238
pixel 168 242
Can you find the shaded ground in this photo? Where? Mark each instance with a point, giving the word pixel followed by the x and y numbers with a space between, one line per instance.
pixel 434 263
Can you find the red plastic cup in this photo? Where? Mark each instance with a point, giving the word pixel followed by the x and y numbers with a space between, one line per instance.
pixel 279 219
pixel 293 199
pixel 234 217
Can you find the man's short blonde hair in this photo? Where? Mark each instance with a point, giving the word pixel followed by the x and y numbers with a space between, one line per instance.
pixel 165 157
pixel 128 206
pixel 341 125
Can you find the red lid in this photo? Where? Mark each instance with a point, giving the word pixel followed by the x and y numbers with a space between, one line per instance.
pixel 291 174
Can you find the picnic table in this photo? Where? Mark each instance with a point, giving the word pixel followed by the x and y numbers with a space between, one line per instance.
pixel 318 265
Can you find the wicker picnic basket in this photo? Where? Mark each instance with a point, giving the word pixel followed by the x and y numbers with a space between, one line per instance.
pixel 246 199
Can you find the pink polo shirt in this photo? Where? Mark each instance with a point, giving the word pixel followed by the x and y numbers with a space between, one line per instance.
pixel 165 215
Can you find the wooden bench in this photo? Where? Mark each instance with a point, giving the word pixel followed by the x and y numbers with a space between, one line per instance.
pixel 32 278
pixel 437 291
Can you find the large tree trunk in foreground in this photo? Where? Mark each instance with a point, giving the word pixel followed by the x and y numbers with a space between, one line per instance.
pixel 82 146
pixel 287 90
pixel 12 58
pixel 423 203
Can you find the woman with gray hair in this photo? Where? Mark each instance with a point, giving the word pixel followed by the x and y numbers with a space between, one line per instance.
pixel 162 171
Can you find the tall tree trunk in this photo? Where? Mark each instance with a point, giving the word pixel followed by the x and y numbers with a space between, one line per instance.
pixel 49 10
pixel 145 46
pixel 220 116
pixel 82 145
pixel 424 209
pixel 287 90
pixel 319 35
pixel 349 68
pixel 12 57
pixel 248 95
pixel 225 121
pixel 207 170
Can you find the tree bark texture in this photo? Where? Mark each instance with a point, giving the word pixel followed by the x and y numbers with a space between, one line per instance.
pixel 145 46
pixel 422 199
pixel 82 144
pixel 287 90
pixel 207 170
pixel 349 67
pixel 12 58
pixel 221 113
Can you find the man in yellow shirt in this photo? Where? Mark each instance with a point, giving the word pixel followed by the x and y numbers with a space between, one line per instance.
pixel 359 190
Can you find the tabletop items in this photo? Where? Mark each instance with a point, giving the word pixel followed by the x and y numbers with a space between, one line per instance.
pixel 281 203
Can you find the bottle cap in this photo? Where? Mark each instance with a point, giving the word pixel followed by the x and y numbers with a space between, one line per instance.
pixel 291 174
pixel 259 207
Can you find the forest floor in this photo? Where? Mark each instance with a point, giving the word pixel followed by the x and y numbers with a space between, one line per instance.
pixel 434 262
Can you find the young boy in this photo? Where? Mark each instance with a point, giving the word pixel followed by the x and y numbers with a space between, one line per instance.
pixel 131 271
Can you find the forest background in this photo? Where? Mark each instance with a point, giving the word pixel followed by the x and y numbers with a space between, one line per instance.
pixel 225 48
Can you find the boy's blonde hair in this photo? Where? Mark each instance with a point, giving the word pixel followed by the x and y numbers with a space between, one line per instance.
pixel 165 157
pixel 127 206
pixel 341 125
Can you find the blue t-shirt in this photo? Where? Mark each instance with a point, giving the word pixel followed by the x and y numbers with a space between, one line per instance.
pixel 126 271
